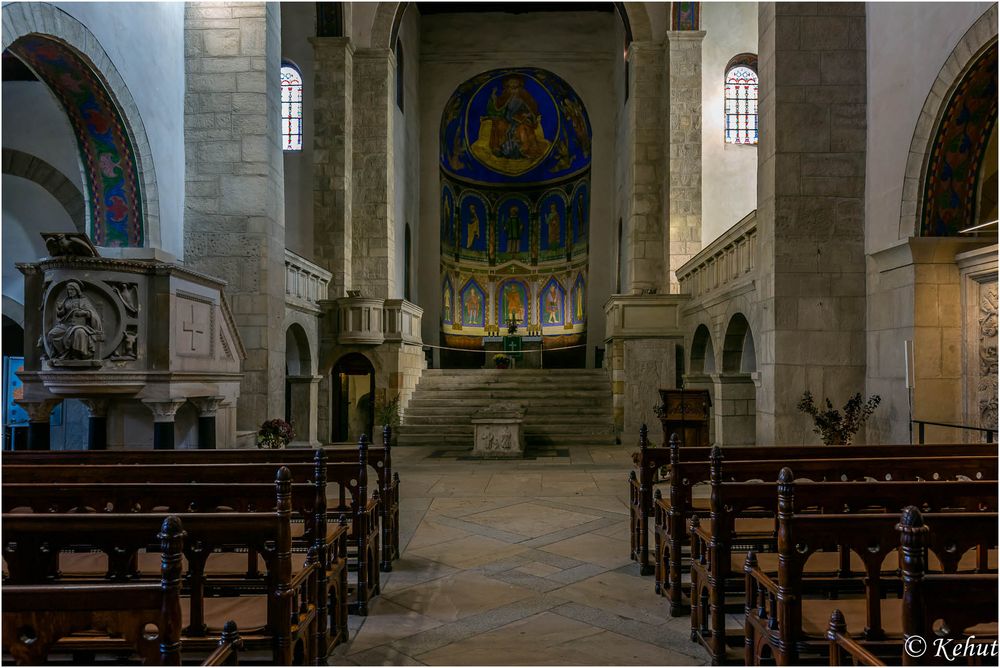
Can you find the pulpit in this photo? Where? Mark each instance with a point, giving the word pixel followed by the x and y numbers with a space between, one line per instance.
pixel 685 413
pixel 136 340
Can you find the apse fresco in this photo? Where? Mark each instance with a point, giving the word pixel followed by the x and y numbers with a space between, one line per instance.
pixel 447 302
pixel 515 154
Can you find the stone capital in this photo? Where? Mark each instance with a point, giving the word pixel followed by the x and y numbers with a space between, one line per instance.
pixel 97 407
pixel 207 406
pixel 38 411
pixel 694 36
pixel 340 43
pixel 163 410
pixel 304 380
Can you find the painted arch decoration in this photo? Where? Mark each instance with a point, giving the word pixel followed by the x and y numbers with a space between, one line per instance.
pixel 958 150
pixel 515 162
pixel 106 148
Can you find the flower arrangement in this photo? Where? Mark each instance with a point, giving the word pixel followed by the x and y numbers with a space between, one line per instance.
pixel 502 361
pixel 833 427
pixel 275 434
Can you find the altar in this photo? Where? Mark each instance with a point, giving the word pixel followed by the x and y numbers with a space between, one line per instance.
pixel 529 355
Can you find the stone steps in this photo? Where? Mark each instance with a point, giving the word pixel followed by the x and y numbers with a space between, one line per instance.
pixel 563 406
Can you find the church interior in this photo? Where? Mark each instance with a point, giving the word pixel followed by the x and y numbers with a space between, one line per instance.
pixel 499 333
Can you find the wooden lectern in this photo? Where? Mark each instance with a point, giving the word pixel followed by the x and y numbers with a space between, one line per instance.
pixel 685 413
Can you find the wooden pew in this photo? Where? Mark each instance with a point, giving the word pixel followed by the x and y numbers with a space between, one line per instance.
pixel 713 574
pixel 36 617
pixel 379 458
pixel 672 513
pixel 305 605
pixel 649 461
pixel 784 624
pixel 353 497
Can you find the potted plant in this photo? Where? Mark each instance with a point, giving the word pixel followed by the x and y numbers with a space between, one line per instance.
pixel 387 412
pixel 834 427
pixel 275 434
pixel 502 361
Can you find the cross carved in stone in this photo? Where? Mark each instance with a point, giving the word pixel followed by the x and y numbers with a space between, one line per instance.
pixel 194 326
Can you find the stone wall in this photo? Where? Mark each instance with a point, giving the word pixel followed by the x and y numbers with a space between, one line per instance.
pixel 684 163
pixel 811 181
pixel 234 216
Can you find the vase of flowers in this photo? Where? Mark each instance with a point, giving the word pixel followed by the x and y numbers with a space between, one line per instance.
pixel 275 434
pixel 502 361
pixel 834 427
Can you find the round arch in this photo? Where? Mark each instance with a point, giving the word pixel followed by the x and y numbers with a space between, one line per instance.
pixel 349 406
pixel 702 351
pixel 33 168
pixel 980 36
pixel 298 352
pixel 738 352
pixel 388 16
pixel 47 39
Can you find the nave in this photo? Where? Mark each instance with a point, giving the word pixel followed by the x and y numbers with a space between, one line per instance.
pixel 516 564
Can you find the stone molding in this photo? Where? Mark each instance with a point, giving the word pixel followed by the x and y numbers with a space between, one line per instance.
pixel 724 261
pixel 164 411
pixel 977 38
pixel 38 411
pixel 24 18
pixel 207 406
pixel 97 408
pixel 33 168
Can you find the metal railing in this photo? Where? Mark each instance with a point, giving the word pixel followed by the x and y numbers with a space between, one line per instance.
pixel 921 425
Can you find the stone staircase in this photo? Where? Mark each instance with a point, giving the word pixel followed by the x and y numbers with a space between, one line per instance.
pixel 564 406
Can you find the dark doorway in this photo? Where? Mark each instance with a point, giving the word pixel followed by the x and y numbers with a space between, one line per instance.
pixel 353 379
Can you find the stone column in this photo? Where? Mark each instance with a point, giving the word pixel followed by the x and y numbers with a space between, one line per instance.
pixel 97 426
pixel 373 206
pixel 234 195
pixel 684 148
pixel 333 155
pixel 810 210
pixel 207 408
pixel 645 234
pixel 38 422
pixel 304 409
pixel 163 421
pixel 734 410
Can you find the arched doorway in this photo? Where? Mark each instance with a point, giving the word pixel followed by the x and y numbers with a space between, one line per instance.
pixel 300 397
pixel 735 387
pixel 353 381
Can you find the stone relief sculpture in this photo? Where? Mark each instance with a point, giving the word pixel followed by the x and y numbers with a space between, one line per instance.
pixel 78 327
pixel 988 356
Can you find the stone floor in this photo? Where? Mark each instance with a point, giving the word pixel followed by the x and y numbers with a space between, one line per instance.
pixel 516 563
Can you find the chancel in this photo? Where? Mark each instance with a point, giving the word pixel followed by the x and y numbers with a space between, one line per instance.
pixel 527 333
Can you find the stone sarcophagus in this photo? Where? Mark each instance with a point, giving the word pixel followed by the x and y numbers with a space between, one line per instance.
pixel 139 341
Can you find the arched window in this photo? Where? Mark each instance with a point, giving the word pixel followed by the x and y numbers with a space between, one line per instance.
pixel 741 99
pixel 291 107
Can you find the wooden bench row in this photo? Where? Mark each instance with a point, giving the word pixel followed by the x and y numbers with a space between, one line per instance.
pixel 716 572
pixel 379 458
pixel 144 616
pixel 786 610
pixel 229 523
pixel 655 466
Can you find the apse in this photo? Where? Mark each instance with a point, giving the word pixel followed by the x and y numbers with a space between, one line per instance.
pixel 515 159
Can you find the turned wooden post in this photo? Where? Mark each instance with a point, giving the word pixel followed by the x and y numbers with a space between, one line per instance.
pixel 283 566
pixel 749 607
pixel 645 502
pixel 837 626
pixel 913 542
pixel 361 525
pixel 675 524
pixel 789 607
pixel 171 546
pixel 322 557
pixel 385 512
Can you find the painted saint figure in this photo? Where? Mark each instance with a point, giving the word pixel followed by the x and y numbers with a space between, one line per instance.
pixel 515 118
pixel 515 307
pixel 514 228
pixel 552 306
pixel 472 231
pixel 579 304
pixel 78 328
pixel 581 213
pixel 553 223
pixel 447 305
pixel 472 304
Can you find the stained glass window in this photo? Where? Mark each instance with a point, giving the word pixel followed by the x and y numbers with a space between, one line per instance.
pixel 741 105
pixel 291 108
